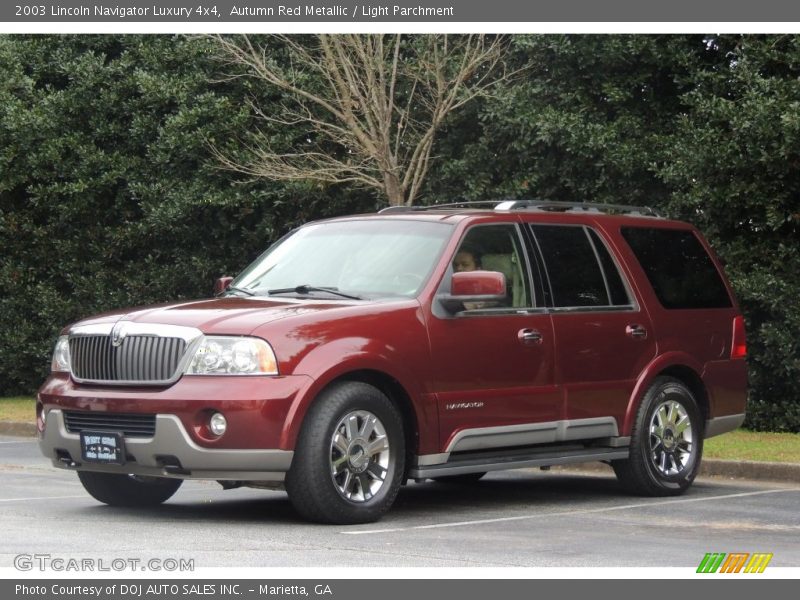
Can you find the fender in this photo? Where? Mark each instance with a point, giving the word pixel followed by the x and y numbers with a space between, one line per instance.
pixel 645 380
pixel 328 362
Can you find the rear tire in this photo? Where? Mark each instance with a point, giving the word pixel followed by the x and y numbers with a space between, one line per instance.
pixel 666 442
pixel 128 490
pixel 349 459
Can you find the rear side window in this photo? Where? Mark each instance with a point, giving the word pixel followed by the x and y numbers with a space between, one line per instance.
pixel 616 289
pixel 579 268
pixel 678 267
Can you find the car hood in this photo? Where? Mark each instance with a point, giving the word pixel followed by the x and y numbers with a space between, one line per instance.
pixel 232 315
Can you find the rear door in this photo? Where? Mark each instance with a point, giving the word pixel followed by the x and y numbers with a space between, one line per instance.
pixel 603 337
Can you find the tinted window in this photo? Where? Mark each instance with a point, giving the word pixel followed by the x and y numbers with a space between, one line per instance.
pixel 619 295
pixel 678 268
pixel 576 278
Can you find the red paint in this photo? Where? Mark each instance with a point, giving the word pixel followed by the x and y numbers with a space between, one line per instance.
pixel 222 284
pixel 478 283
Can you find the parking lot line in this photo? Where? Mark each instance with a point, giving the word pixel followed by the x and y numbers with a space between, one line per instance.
pixel 40 498
pixel 571 512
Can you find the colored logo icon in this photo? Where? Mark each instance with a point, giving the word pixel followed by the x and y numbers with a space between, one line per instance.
pixel 737 562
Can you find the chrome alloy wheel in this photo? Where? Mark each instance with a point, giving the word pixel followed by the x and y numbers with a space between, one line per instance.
pixel 671 443
pixel 359 456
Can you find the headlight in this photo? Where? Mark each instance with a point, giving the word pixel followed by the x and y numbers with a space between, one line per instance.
pixel 60 360
pixel 218 355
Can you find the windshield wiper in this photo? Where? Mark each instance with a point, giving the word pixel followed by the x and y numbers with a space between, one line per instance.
pixel 307 289
pixel 232 288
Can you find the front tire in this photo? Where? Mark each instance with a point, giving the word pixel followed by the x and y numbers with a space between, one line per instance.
pixel 349 459
pixel 666 442
pixel 128 490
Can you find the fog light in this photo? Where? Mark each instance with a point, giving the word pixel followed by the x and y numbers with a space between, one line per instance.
pixel 217 424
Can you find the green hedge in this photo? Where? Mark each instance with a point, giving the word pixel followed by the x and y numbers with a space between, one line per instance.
pixel 109 196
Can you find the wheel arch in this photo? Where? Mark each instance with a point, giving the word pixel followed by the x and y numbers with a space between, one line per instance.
pixel 389 385
pixel 397 395
pixel 694 382
pixel 679 366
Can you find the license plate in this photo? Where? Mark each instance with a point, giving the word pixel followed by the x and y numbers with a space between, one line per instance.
pixel 102 447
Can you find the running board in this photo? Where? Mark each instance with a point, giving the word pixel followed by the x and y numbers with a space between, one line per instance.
pixel 530 459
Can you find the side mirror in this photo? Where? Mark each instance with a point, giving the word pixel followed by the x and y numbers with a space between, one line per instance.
pixel 222 284
pixel 474 287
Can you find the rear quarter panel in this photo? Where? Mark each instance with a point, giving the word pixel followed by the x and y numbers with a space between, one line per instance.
pixel 696 338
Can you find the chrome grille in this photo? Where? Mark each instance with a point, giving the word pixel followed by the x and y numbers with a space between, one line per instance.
pixel 140 358
pixel 131 425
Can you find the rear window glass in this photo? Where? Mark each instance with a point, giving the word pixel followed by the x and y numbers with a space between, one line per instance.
pixel 678 267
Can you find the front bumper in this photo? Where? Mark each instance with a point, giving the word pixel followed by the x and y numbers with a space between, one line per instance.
pixel 257 408
pixel 720 425
pixel 171 452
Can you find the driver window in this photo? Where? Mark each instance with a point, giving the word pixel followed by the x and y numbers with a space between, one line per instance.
pixel 496 248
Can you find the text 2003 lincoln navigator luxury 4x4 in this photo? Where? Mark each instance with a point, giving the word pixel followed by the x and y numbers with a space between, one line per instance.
pixel 441 343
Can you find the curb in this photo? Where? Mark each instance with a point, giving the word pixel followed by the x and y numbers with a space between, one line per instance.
pixel 746 469
pixel 731 469
pixel 712 467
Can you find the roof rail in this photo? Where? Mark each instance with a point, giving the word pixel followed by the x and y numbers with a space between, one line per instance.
pixel 489 204
pixel 554 205
pixel 645 211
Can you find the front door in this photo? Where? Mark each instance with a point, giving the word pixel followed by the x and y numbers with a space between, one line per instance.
pixel 493 365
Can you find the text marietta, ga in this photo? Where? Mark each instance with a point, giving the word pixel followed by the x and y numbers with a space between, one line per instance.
pixel 160 590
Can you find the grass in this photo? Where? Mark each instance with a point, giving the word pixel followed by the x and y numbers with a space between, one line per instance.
pixel 21 408
pixel 737 445
pixel 754 445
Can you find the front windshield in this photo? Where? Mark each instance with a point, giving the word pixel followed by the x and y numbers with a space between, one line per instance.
pixel 366 258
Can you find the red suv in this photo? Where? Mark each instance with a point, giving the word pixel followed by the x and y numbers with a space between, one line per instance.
pixel 433 343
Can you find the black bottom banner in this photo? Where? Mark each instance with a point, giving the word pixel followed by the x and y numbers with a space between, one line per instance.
pixel 386 589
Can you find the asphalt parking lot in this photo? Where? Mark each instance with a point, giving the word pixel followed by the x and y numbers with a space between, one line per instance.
pixel 517 518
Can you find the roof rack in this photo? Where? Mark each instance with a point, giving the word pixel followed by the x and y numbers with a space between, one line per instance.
pixel 645 211
pixel 552 205
pixel 489 204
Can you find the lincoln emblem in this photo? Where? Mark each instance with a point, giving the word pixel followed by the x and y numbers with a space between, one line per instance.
pixel 118 334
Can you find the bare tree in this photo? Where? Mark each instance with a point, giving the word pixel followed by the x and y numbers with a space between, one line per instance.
pixel 373 104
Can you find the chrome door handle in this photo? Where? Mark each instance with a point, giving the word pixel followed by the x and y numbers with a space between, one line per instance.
pixel 636 332
pixel 529 336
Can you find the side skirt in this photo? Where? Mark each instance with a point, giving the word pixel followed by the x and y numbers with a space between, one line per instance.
pixel 516 459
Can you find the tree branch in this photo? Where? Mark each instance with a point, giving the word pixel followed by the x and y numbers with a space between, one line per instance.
pixel 371 106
